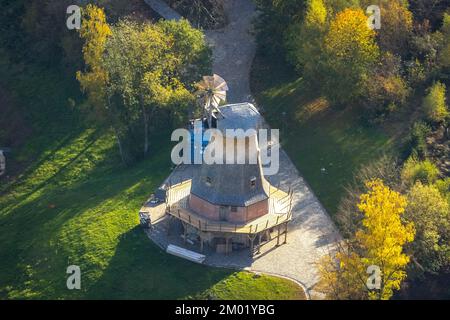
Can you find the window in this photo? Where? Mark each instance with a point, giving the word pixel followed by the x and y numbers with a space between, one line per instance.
pixel 233 209
pixel 208 181
pixel 253 182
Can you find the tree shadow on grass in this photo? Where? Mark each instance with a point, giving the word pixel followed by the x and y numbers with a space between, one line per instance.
pixel 141 270
pixel 28 173
pixel 43 234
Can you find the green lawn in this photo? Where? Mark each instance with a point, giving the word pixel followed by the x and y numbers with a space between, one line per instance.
pixel 261 286
pixel 76 204
pixel 326 145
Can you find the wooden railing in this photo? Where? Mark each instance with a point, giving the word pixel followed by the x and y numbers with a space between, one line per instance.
pixel 177 192
pixel 260 224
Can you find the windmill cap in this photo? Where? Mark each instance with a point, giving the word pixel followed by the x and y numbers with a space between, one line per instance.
pixel 238 116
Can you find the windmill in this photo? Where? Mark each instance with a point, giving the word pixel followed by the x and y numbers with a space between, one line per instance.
pixel 212 90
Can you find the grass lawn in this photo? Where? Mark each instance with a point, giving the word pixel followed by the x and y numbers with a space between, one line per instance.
pixel 75 204
pixel 326 145
pixel 261 286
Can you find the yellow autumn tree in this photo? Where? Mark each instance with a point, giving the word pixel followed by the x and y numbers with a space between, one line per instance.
pixel 384 236
pixel 378 243
pixel 351 52
pixel 95 32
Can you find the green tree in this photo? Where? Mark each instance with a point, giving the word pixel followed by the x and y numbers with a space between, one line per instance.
pixel 430 213
pixel 434 104
pixel 274 19
pixel 152 67
pixel 190 48
pixel 304 38
pixel 425 47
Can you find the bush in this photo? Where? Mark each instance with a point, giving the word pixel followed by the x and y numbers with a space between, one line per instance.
pixel 444 188
pixel 419 133
pixel 434 103
pixel 415 170
pixel 416 72
pixel 429 211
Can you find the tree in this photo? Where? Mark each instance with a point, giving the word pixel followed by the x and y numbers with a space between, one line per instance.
pixel 434 104
pixel 386 90
pixel 152 67
pixel 396 28
pixel 444 55
pixel 304 38
pixel 384 236
pixel 94 80
pixel 351 52
pixel 342 276
pixel 190 48
pixel 425 47
pixel 94 31
pixel 430 213
pixel 348 217
pixel 274 19
pixel 336 6
pixel 379 242
pixel 428 9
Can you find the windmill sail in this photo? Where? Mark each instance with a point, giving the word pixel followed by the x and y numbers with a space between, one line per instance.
pixel 212 90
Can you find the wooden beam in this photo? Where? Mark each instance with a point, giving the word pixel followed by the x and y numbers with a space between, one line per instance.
pixel 226 245
pixel 285 232
pixel 278 235
pixel 169 222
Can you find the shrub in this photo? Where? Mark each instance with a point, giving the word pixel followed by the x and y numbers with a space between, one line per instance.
pixel 444 188
pixel 429 211
pixel 419 133
pixel 415 170
pixel 434 103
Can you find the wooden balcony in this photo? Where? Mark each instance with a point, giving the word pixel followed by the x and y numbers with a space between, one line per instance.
pixel 260 224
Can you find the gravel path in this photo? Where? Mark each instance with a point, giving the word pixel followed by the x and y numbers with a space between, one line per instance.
pixel 234 48
pixel 312 234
